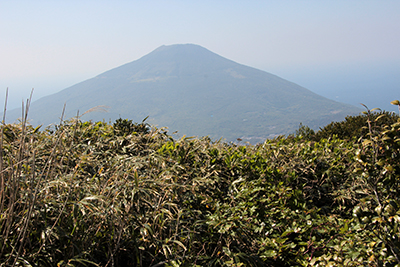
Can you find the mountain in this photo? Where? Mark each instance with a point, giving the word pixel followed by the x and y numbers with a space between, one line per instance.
pixel 193 91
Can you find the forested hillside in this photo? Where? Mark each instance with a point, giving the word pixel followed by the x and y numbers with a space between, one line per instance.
pixel 128 194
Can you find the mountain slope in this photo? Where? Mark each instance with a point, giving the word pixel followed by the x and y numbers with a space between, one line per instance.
pixel 197 92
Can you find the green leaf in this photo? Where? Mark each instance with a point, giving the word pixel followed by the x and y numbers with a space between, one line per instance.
pixel 386 138
pixel 395 102
pixel 367 142
pixel 136 178
pixel 166 250
pixel 379 117
pixel 37 128
pixel 180 244
pixel 270 254
pixel 344 229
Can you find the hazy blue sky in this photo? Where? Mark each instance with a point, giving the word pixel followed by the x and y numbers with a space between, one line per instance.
pixel 321 45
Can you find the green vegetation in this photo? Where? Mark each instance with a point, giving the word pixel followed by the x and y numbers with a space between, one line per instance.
pixel 127 194
pixel 357 126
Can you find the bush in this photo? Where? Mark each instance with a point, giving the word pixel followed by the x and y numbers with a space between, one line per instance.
pixel 95 194
pixel 125 127
pixel 356 126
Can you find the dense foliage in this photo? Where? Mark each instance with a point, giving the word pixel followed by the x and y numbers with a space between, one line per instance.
pixel 126 194
pixel 356 126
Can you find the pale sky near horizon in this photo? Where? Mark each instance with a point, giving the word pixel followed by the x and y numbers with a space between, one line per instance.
pixel 51 45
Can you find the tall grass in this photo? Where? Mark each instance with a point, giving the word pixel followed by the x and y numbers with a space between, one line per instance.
pixel 127 194
pixel 81 194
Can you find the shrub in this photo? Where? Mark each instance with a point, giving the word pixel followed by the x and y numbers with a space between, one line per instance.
pixel 95 194
pixel 356 126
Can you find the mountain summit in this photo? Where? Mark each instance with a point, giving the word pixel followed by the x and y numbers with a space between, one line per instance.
pixel 194 91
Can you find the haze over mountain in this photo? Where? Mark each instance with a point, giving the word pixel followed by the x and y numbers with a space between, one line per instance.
pixel 194 91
